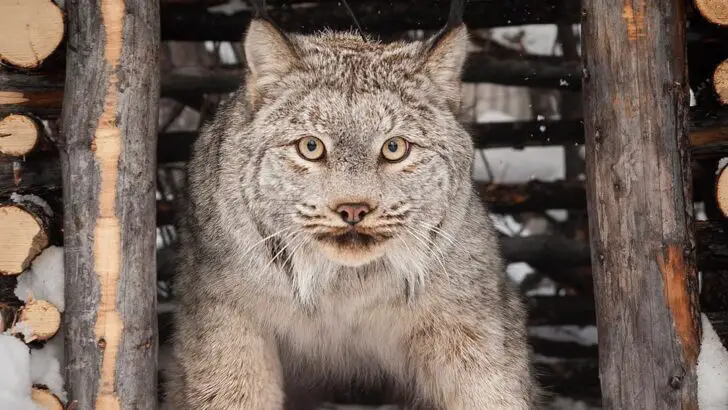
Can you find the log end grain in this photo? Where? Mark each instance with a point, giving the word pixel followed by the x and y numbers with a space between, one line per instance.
pixel 720 81
pixel 721 191
pixel 30 30
pixel 22 237
pixel 18 135
pixel 715 11
pixel 37 320
pixel 45 399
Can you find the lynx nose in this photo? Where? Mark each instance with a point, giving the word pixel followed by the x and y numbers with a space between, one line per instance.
pixel 352 213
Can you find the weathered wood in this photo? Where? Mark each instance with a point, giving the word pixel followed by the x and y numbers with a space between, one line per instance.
pixel 533 195
pixel 571 378
pixel 560 310
pixel 640 203
pixel 41 172
pixel 108 149
pixel 196 23
pixel 24 233
pixel 30 30
pixel 37 320
pixel 715 11
pixel 19 134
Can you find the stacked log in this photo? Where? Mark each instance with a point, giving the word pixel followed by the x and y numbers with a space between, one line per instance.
pixel 721 190
pixel 31 31
pixel 23 234
pixel 19 134
pixel 715 11
pixel 45 399
pixel 41 25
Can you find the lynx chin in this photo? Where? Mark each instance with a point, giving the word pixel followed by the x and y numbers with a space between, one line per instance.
pixel 332 237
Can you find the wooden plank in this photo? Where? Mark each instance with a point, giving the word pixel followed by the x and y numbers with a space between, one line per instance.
pixel 640 203
pixel 196 23
pixel 108 148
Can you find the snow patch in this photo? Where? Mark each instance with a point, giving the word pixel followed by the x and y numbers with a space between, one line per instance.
pixel 36 200
pixel 15 384
pixel 712 370
pixel 583 335
pixel 45 366
pixel 44 280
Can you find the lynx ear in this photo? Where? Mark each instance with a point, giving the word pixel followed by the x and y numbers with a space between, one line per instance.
pixel 269 55
pixel 444 62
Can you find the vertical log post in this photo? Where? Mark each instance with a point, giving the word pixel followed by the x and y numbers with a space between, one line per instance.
pixel 108 165
pixel 639 201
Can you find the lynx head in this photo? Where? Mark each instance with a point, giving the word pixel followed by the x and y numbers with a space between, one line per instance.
pixel 354 144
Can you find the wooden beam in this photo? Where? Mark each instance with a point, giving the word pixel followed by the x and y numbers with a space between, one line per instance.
pixel 640 203
pixel 108 153
pixel 196 23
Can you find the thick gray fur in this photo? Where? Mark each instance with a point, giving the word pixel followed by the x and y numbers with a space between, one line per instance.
pixel 270 314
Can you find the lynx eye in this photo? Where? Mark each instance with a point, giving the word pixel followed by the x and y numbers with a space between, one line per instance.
pixel 395 149
pixel 311 148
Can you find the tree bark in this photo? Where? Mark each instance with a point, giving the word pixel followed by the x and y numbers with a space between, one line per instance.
pixel 108 165
pixel 640 203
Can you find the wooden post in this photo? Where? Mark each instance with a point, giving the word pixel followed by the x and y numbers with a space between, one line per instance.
pixel 108 151
pixel 639 201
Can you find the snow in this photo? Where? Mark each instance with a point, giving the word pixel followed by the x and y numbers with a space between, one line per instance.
pixel 712 370
pixel 15 382
pixel 583 335
pixel 36 200
pixel 45 366
pixel 44 279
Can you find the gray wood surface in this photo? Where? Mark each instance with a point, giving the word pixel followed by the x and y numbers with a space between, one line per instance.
pixel 639 201
pixel 108 164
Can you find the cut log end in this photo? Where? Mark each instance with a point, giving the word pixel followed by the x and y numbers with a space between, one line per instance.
pixel 18 135
pixel 45 399
pixel 721 191
pixel 37 320
pixel 720 82
pixel 30 30
pixel 22 237
pixel 715 11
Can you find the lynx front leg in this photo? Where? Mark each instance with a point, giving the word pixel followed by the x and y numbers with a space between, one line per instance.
pixel 223 363
pixel 458 366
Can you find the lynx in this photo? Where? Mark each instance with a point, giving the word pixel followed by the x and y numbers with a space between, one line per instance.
pixel 333 237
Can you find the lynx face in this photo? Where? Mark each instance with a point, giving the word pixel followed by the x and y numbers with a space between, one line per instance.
pixel 358 148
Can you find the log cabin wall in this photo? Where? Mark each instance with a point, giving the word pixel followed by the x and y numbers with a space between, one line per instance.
pixel 523 100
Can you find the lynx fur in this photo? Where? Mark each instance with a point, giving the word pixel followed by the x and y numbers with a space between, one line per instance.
pixel 282 300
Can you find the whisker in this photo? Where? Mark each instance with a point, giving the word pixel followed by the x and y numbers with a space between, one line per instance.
pixel 433 245
pixel 292 237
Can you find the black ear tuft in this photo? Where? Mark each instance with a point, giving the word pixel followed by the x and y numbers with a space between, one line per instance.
pixel 260 12
pixel 457 10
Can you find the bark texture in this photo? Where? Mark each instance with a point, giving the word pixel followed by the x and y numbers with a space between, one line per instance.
pixel 640 203
pixel 108 164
